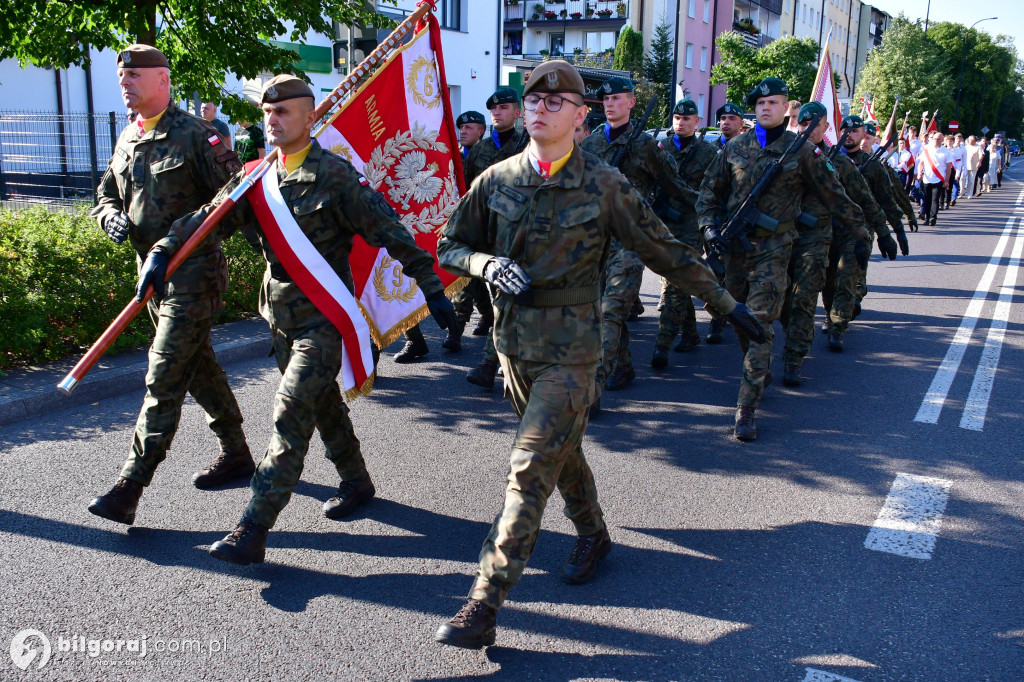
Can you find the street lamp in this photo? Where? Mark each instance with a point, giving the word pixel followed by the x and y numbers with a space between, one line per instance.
pixel 963 58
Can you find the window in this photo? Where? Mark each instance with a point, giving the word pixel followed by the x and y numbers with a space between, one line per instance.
pixel 689 55
pixel 451 14
pixel 700 104
pixel 691 8
pixel 513 42
pixel 787 7
pixel 703 59
pixel 707 10
pixel 598 41
pixel 557 44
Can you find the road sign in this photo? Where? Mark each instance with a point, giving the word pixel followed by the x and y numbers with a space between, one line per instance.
pixel 954 126
pixel 985 130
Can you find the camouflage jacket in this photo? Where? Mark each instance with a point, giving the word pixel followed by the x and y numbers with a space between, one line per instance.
pixel 881 187
pixel 857 189
pixel 900 194
pixel 559 230
pixel 331 205
pixel 158 176
pixel 737 169
pixel 486 153
pixel 693 162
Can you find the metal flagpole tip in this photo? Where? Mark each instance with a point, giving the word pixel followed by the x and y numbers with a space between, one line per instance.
pixel 67 385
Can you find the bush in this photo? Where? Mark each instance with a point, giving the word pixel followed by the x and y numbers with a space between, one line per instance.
pixel 62 282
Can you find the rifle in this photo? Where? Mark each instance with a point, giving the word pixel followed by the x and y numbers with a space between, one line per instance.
pixel 746 216
pixel 620 153
pixel 834 149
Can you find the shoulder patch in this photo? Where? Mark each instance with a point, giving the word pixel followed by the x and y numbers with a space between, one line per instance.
pixel 214 140
pixel 828 164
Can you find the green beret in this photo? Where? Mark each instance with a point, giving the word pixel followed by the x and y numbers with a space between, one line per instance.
pixel 615 85
pixel 871 128
pixel 851 122
pixel 503 96
pixel 470 117
pixel 766 88
pixel 729 108
pixel 283 87
pixel 810 110
pixel 686 107
pixel 556 75
pixel 141 57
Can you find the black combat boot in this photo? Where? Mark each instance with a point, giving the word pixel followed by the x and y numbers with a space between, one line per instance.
pixel 791 375
pixel 485 323
pixel 453 341
pixel 687 343
pixel 414 349
pixel 746 429
pixel 351 495
pixel 715 333
pixel 621 376
pixel 636 311
pixel 582 562
pixel 660 358
pixel 483 374
pixel 231 464
pixel 835 340
pixel 471 628
pixel 120 503
pixel 246 544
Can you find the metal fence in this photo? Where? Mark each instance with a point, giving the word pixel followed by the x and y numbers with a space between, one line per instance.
pixel 46 158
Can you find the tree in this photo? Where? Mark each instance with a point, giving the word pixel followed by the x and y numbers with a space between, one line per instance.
pixel 658 66
pixel 794 60
pixel 202 40
pixel 629 52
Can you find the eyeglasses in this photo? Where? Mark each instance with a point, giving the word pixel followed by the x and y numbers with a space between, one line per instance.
pixel 552 103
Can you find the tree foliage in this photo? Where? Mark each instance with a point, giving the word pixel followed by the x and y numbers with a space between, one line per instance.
pixel 202 40
pixel 629 52
pixel 794 60
pixel 658 66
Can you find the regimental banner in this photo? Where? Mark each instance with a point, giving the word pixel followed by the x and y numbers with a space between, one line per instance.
pixel 824 91
pixel 398 131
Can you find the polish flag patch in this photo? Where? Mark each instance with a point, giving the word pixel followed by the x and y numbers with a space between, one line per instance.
pixel 214 140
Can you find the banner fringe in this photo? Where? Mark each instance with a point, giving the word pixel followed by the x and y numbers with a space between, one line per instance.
pixel 360 391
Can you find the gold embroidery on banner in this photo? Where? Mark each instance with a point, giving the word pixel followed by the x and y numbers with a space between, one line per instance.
pixel 422 83
pixel 398 281
pixel 377 127
pixel 342 150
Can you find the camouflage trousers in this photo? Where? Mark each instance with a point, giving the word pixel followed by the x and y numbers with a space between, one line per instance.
pixel 839 292
pixel 759 278
pixel 307 397
pixel 181 359
pixel 861 283
pixel 474 294
pixel 623 275
pixel 807 267
pixel 677 312
pixel 552 403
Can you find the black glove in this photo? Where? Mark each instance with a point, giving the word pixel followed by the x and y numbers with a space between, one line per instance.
pixel 506 275
pixel 442 310
pixel 116 226
pixel 887 246
pixel 744 322
pixel 914 227
pixel 862 252
pixel 154 271
pixel 904 244
pixel 713 241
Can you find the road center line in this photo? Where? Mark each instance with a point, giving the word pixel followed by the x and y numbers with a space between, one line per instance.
pixel 935 398
pixel 814 675
pixel 981 389
pixel 911 517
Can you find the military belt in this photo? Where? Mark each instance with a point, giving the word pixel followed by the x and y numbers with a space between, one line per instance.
pixel 766 222
pixel 810 220
pixel 553 298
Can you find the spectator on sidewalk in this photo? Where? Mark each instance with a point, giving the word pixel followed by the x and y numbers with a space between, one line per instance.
pixel 972 157
pixel 208 110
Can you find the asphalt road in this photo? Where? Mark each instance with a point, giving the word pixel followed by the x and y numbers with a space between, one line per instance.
pixel 731 561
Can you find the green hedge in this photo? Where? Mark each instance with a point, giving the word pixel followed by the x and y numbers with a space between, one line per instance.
pixel 62 282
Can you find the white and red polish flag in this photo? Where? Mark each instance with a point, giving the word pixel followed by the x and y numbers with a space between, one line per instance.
pixel 399 133
pixel 824 91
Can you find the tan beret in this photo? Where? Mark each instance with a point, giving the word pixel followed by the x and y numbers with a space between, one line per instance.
pixel 140 56
pixel 556 75
pixel 284 86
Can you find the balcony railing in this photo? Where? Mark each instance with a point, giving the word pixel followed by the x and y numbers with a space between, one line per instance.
pixel 567 10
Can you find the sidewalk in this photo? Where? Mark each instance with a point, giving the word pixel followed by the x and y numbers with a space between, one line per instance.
pixel 32 392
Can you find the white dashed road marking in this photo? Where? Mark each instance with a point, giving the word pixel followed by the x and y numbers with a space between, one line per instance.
pixel 814 675
pixel 910 519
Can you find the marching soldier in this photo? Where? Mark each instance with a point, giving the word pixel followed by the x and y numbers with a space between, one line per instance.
pixel 692 156
pixel 648 169
pixel 167 163
pixel 537 227
pixel 331 203
pixel 760 275
pixel 472 127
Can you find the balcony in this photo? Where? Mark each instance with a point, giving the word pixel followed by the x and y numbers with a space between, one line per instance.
pixel 589 14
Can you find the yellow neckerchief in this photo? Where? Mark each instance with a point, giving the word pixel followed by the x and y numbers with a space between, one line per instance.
pixel 547 169
pixel 147 124
pixel 293 161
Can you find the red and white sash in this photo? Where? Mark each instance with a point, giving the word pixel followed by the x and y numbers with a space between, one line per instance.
pixel 315 277
pixel 927 153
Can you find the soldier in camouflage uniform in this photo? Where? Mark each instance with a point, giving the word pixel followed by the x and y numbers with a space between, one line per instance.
pixel 648 169
pixel 331 203
pixel 538 227
pixel 692 156
pixel 760 275
pixel 167 163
